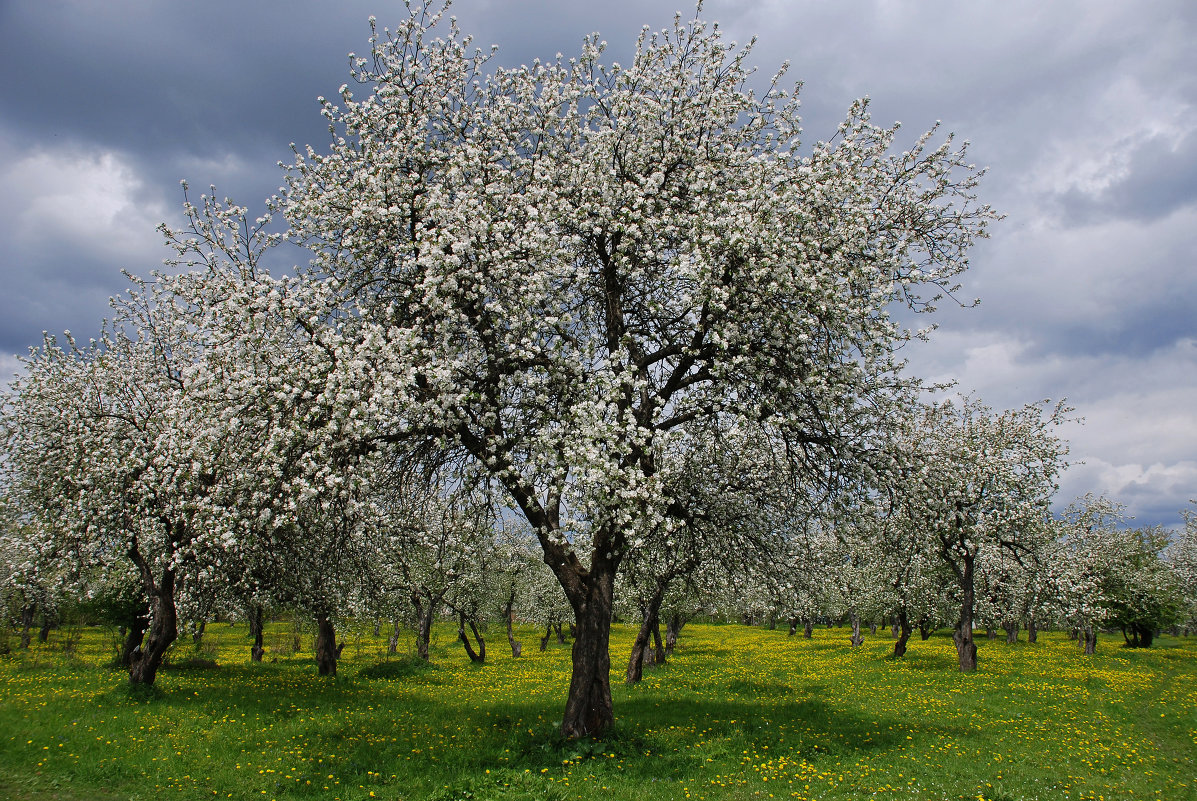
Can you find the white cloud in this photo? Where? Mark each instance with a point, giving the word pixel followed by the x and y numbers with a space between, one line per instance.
pixel 92 200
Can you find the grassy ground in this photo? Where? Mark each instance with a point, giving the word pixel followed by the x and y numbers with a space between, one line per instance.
pixel 738 713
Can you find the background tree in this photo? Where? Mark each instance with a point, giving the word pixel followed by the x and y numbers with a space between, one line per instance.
pixel 982 482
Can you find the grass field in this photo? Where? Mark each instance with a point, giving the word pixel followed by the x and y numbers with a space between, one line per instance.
pixel 738 713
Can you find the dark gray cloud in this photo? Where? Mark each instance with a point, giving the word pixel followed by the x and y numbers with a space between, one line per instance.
pixel 1084 110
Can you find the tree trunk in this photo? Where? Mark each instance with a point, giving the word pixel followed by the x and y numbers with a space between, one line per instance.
pixel 588 711
pixel 163 628
pixel 43 634
pixel 902 626
pixel 27 613
pixel 548 632
pixel 423 624
pixel 873 629
pixel 1032 630
pixel 966 648
pixel 672 629
pixel 509 614
pixel 255 630
pixel 561 634
pixel 1011 632
pixel 895 628
pixel 658 646
pixel 133 639
pixel 640 646
pixel 1089 639
pixel 1146 637
pixel 326 645
pixel 197 632
pixel 856 639
pixel 635 670
pixel 393 642
pixel 990 633
pixel 793 626
pixel 480 656
pixel 808 628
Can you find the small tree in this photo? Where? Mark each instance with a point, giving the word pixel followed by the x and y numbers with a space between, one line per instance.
pixel 981 482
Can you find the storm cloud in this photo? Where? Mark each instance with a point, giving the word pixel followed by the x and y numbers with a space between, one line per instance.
pixel 1084 111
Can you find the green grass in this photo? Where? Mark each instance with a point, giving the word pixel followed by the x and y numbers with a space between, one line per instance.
pixel 738 713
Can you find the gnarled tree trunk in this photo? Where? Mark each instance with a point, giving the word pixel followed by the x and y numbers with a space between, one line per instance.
pixel 164 623
pixel 134 635
pixel 588 710
pixel 856 639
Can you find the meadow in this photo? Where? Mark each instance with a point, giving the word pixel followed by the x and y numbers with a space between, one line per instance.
pixel 737 713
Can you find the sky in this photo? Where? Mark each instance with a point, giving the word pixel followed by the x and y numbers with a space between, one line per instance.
pixel 1083 111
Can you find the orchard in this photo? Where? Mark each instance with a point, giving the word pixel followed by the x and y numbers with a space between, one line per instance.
pixel 574 342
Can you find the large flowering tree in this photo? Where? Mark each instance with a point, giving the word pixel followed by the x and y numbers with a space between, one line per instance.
pixel 561 267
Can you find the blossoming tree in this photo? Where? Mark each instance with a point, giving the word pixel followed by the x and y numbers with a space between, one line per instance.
pixel 566 265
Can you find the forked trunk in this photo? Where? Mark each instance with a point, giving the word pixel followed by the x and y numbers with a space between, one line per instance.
pixel 162 632
pixel 1011 632
pixel 1089 639
pixel 1032 630
pixel 478 656
pixel 423 623
pixel 197 633
pixel 134 636
pixel 641 651
pixel 326 645
pixel 856 638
